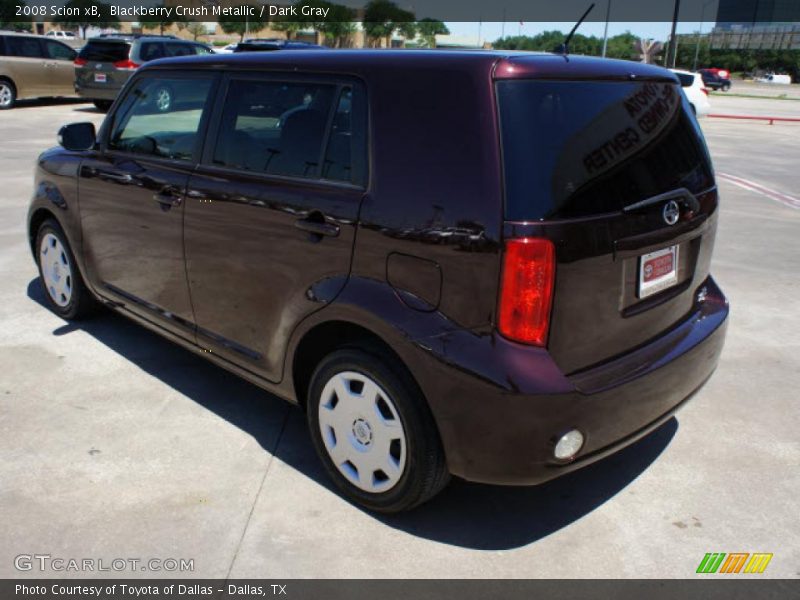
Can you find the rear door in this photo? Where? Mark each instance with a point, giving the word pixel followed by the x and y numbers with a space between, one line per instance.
pixel 59 62
pixel 271 212
pixel 96 69
pixel 617 175
pixel 132 198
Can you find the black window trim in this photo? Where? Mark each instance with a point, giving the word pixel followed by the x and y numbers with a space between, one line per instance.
pixel 340 81
pixel 111 120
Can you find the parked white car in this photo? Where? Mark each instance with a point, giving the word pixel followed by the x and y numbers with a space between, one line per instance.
pixel 695 90
pixel 61 35
pixel 777 79
pixel 226 49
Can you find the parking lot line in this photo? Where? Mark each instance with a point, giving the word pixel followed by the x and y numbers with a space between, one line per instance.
pixel 752 186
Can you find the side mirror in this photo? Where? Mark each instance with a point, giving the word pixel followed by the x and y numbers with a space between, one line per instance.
pixel 77 136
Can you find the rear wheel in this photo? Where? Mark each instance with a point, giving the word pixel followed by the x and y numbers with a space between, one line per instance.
pixel 725 87
pixel 374 433
pixel 63 285
pixel 8 94
pixel 103 105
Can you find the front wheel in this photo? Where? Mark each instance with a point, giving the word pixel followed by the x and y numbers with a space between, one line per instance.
pixel 726 87
pixel 63 285
pixel 163 98
pixel 374 432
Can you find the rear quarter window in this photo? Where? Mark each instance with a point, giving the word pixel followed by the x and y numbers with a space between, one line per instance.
pixel 685 79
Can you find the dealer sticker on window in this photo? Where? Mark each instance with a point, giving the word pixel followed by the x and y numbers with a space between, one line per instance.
pixel 658 271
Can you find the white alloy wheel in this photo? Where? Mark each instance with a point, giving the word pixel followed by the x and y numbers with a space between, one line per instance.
pixel 362 432
pixel 56 269
pixel 163 99
pixel 6 94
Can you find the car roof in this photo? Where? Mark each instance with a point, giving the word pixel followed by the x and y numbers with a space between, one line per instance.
pixel 500 64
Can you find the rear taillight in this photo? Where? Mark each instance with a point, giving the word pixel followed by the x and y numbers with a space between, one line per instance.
pixel 704 90
pixel 126 64
pixel 526 292
pixel 79 62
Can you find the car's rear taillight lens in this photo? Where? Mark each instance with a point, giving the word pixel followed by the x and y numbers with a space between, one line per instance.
pixel 79 62
pixel 126 64
pixel 526 290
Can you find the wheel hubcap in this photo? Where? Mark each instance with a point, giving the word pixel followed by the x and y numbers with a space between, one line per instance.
pixel 163 99
pixel 5 94
pixel 56 270
pixel 362 432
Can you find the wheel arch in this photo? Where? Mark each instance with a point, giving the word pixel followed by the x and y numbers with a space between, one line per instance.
pixel 328 336
pixel 39 216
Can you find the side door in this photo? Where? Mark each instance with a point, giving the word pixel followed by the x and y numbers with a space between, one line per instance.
pixel 59 63
pixel 26 65
pixel 272 210
pixel 132 197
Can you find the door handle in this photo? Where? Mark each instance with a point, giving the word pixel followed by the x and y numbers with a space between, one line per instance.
pixel 118 177
pixel 317 227
pixel 167 200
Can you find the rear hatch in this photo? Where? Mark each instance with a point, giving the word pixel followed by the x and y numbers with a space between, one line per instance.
pixel 103 64
pixel 611 166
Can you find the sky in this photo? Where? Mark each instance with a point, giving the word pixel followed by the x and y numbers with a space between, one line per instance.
pixel 489 32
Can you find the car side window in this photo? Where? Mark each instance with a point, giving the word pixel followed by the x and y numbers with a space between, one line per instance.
pixel 346 153
pixel 200 49
pixel 58 51
pixel 151 51
pixel 24 47
pixel 173 49
pixel 160 117
pixel 274 127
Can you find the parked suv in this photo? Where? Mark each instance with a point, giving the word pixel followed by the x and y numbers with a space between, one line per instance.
pixel 498 270
pixel 105 63
pixel 33 66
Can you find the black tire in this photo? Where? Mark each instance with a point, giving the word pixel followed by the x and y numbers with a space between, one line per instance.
pixel 8 94
pixel 726 87
pixel 103 105
pixel 425 471
pixel 81 303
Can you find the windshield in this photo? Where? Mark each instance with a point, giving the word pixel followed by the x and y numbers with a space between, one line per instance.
pixel 574 148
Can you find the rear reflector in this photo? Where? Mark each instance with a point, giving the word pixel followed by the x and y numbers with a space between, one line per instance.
pixel 526 292
pixel 79 62
pixel 126 64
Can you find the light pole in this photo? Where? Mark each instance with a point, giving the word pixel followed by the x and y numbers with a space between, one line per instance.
pixel 605 31
pixel 672 49
pixel 700 33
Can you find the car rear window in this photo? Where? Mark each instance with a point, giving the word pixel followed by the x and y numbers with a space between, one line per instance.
pixel 573 149
pixel 105 51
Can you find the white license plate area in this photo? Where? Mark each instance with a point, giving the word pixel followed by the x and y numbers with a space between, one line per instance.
pixel 100 78
pixel 657 271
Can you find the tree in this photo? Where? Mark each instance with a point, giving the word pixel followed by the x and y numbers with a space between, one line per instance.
pixel 339 25
pixel 155 24
pixel 382 18
pixel 8 14
pixel 196 28
pixel 429 29
pixel 88 8
pixel 236 25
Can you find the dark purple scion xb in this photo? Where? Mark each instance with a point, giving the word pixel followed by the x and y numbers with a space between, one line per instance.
pixel 482 264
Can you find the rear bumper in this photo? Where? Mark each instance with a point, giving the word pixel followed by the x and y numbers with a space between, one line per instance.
pixel 499 426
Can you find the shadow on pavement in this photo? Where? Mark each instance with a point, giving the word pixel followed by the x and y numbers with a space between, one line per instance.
pixel 466 514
